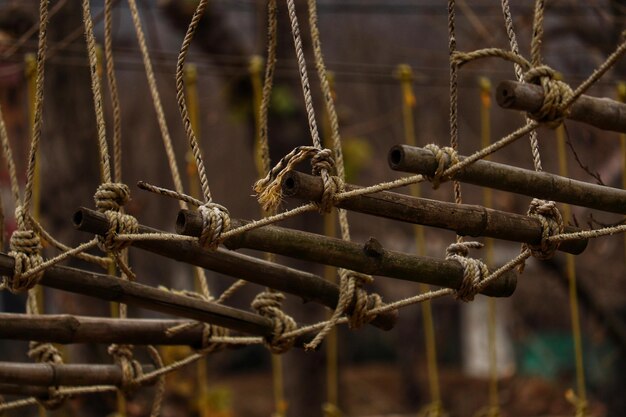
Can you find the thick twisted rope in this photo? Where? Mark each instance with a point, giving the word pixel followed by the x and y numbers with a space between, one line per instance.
pixel 474 270
pixel 268 304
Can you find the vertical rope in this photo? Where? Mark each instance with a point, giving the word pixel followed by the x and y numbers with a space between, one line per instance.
pixel 112 83
pixel 182 105
pixel 580 398
pixel 519 73
pixel 156 99
pixel 454 95
pixel 434 409
pixel 97 95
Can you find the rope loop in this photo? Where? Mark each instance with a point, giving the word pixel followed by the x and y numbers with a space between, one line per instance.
pixel 551 224
pixel 268 189
pixel 555 94
pixel 474 270
pixel 268 304
pixel 362 301
pixel 25 249
pixel 215 221
pixel 111 196
pixel 131 369
pixel 446 157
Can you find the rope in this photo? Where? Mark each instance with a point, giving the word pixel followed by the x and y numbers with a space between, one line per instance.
pixel 112 83
pixel 268 304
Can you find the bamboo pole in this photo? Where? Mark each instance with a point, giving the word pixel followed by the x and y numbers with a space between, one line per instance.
pixel 25 390
pixel 111 288
pixel 602 113
pixel 464 219
pixel 370 258
pixel 515 180
pixel 621 96
pixel 68 329
pixel 308 286
pixel 52 375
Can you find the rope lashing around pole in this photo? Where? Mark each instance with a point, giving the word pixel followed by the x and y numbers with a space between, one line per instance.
pixel 47 353
pixel 551 224
pixel 110 198
pixel 268 189
pixel 268 304
pixel 131 368
pixel 350 293
pixel 25 248
pixel 446 157
pixel 555 94
pixel 215 220
pixel 474 270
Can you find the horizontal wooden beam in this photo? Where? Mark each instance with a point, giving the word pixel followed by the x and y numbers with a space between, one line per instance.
pixel 602 113
pixel 308 286
pixel 52 375
pixel 111 288
pixel 370 258
pixel 516 180
pixel 66 329
pixel 25 390
pixel 464 219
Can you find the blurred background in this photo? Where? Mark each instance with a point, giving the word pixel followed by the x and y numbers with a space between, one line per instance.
pixel 364 41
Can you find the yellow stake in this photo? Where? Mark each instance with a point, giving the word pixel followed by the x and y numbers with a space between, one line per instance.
pixel 579 399
pixel 485 122
pixel 331 407
pixel 255 68
pixel 405 75
pixel 621 96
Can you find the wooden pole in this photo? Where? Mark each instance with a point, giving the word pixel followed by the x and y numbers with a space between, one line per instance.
pixel 516 180
pixel 67 329
pixel 602 113
pixel 308 286
pixel 464 219
pixel 25 390
pixel 52 375
pixel 370 258
pixel 111 288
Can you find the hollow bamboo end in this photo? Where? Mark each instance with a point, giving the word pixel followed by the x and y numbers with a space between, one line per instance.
pixel 78 219
pixel 505 94
pixel 396 157
pixel 290 184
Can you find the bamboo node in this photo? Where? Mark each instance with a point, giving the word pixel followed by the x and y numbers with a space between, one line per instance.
pixel 474 270
pixel 551 225
pixel 555 94
pixel 268 304
pixel 445 157
pixel 215 221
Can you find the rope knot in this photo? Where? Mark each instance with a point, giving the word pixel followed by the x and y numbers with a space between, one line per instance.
pixel 47 353
pixel 25 248
pixel 268 189
pixel 555 94
pixel 119 224
pixel 215 221
pixel 361 300
pixel 551 224
pixel 474 270
pixel 131 369
pixel 445 157
pixel 111 196
pixel 268 304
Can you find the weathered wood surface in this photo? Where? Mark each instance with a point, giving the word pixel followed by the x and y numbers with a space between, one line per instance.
pixel 308 286
pixel 465 219
pixel 516 180
pixel 66 329
pixel 24 390
pixel 51 375
pixel 602 113
pixel 111 288
pixel 370 258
